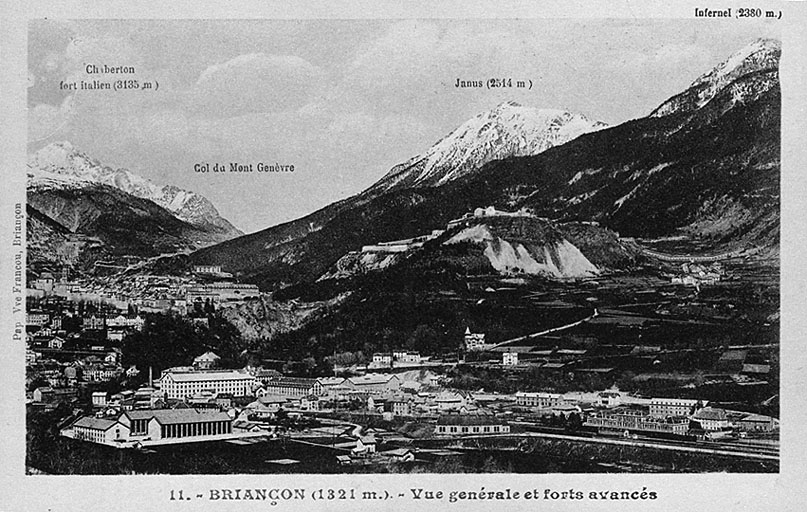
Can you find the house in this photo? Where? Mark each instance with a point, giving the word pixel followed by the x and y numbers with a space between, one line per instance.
pixel 263 375
pixel 135 322
pixel 539 399
pixel 247 426
pixel 757 423
pixel 44 282
pixel 458 424
pixel 203 400
pixel 509 358
pixel 400 406
pixel 44 394
pixel 365 445
pixel 293 387
pixel 309 403
pixel 114 335
pixel 266 407
pixel 31 356
pixel 376 403
pixel 100 430
pixel 145 397
pixel 127 404
pixel 94 322
pixel 452 400
pixel 37 318
pixel 609 399
pixel 207 269
pixel 53 395
pixel 99 398
pixel 406 357
pixel 711 418
pixel 673 406
pixel 374 383
pixel 473 341
pixel 223 400
pixel 382 359
pixel 102 372
pixel 206 361
pixel 56 343
pixel 328 384
pixel 400 454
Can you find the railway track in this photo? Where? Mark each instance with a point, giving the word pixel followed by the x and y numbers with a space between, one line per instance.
pixel 745 450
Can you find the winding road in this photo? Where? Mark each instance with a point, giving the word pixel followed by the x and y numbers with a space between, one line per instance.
pixel 554 329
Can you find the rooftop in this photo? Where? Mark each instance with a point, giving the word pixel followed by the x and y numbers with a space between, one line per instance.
pixel 173 416
pixel 674 401
pixel 468 420
pixel 709 413
pixel 94 423
pixel 292 382
pixel 372 378
pixel 206 376
pixel 208 356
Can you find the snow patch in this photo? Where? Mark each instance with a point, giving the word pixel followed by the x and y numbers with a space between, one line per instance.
pixel 649 172
pixel 580 174
pixel 582 197
pixel 619 202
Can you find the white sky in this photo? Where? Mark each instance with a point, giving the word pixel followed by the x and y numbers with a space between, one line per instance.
pixel 341 100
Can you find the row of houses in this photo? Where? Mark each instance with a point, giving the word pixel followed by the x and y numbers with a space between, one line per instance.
pixel 39 318
pixel 400 357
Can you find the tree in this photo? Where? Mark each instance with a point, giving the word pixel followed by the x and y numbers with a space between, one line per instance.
pixel 310 364
pixel 423 339
pixel 165 341
pixel 574 422
pixel 209 307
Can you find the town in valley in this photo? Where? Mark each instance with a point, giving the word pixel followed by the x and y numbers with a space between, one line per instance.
pixel 538 291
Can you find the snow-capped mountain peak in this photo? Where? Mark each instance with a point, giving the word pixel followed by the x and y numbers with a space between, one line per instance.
pixel 757 58
pixel 61 165
pixel 507 130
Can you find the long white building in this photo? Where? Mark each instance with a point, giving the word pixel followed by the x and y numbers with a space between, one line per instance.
pixel 153 426
pixel 184 384
pixel 663 407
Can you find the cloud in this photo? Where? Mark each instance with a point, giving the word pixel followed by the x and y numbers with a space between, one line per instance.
pixel 352 124
pixel 46 120
pixel 667 57
pixel 254 83
pixel 100 51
